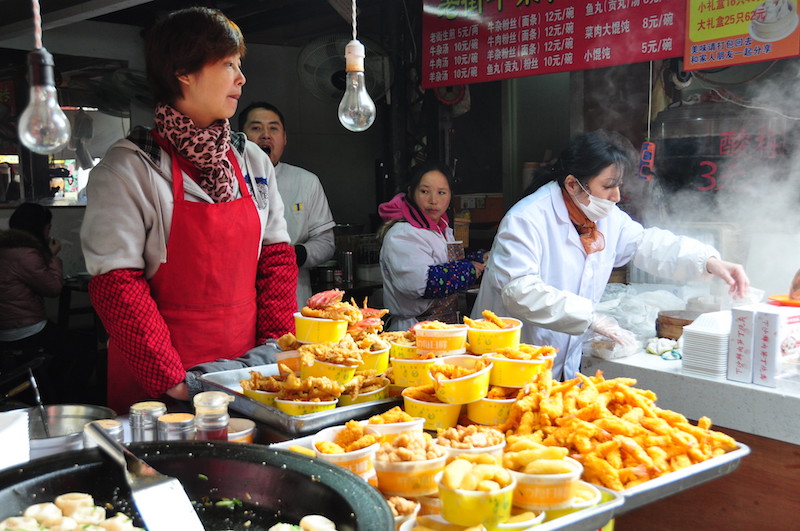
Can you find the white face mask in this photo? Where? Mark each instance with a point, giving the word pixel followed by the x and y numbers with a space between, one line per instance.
pixel 598 208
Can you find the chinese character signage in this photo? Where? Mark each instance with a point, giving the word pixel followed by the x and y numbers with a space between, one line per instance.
pixel 469 41
pixel 730 32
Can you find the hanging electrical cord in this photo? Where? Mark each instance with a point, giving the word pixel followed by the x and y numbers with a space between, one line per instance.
pixel 722 96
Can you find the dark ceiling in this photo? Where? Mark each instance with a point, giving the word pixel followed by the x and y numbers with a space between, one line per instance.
pixel 276 22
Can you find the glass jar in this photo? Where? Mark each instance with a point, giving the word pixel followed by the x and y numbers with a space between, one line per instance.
pixel 176 427
pixel 211 415
pixel 143 417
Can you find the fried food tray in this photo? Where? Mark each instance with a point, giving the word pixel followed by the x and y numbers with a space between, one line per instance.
pixel 292 425
pixel 683 479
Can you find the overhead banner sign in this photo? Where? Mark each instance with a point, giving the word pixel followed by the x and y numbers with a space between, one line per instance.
pixel 724 33
pixel 470 41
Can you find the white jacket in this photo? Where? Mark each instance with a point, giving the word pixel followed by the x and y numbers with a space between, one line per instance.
pixel 539 273
pixel 308 220
pixel 129 211
pixel 406 254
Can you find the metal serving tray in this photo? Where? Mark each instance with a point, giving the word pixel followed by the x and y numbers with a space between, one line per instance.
pixel 683 479
pixel 293 425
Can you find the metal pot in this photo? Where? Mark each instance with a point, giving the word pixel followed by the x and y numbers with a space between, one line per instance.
pixel 64 427
pixel 273 485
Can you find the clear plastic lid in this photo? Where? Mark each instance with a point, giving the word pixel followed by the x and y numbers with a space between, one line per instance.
pixel 212 403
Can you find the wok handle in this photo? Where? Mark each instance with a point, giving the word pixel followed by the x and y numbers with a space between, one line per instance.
pixel 107 443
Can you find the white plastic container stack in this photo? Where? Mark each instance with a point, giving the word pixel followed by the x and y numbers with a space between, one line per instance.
pixel 705 344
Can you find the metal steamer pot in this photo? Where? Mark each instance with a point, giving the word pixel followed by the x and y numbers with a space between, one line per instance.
pixel 273 485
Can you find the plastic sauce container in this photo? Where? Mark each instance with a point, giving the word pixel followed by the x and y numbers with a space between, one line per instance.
pixel 241 430
pixel 211 416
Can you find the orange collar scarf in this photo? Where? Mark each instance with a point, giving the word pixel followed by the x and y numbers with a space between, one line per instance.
pixel 591 238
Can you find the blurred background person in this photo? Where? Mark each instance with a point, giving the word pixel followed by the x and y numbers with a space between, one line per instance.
pixel 555 249
pixel 422 266
pixel 184 230
pixel 305 206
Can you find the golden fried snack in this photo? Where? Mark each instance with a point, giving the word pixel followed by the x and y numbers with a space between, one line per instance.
pixel 288 342
pixel 464 475
pixel 490 321
pixel 423 393
pixel 346 352
pixel 408 338
pixel 312 389
pixel 446 371
pixel 364 382
pixel 433 325
pixel 525 352
pixel 396 414
pixel 472 436
pixel 259 382
pixel 501 393
pixel 402 506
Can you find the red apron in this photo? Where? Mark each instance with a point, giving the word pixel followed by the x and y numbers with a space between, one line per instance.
pixel 206 290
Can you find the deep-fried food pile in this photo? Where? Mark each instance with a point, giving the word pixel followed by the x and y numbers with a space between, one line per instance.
pixel 364 382
pixel 409 446
pixel 311 389
pixel 345 352
pixel 472 436
pixel 463 475
pixel 288 342
pixel 524 454
pixel 407 338
pixel 370 341
pixel 351 438
pixel 490 321
pixel 497 392
pixel 614 429
pixel 402 506
pixel 525 352
pixel 329 305
pixel 423 393
pixel 260 382
pixel 434 325
pixel 371 323
pixel 447 371
pixel 390 417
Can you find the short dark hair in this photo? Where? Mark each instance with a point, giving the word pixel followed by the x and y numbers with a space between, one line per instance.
pixel 31 218
pixel 259 105
pixel 183 43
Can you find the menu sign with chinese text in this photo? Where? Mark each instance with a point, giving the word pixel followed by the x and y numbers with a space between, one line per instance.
pixel 731 32
pixel 470 41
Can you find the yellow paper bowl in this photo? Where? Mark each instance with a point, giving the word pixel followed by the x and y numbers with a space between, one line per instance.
pixel 519 525
pixel 359 462
pixel 397 350
pixel 378 394
pixel 513 373
pixel 299 407
pixel 265 397
pixel 377 361
pixel 483 340
pixel 411 373
pixel 465 389
pixel 547 491
pixel 489 411
pixel 454 453
pixel 442 341
pixel 469 507
pixel 586 495
pixel 334 371
pixel 436 414
pixel 289 358
pixel 409 478
pixel 314 330
pixel 391 430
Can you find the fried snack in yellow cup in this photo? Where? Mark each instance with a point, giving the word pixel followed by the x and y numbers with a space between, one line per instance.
pixel 483 340
pixel 454 389
pixel 316 330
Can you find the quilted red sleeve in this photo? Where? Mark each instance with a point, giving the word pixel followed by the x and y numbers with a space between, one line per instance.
pixel 276 284
pixel 128 312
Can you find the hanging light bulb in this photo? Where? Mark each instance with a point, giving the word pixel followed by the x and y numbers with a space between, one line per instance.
pixel 43 127
pixel 356 110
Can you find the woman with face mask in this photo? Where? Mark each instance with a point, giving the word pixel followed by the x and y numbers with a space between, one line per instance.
pixel 555 249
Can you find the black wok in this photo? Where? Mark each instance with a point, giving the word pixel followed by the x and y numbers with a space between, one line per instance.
pixel 273 485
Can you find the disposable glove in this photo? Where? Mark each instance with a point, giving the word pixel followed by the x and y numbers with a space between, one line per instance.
pixel 608 326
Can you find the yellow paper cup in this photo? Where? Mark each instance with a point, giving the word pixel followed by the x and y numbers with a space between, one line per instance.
pixel 359 462
pixel 377 361
pixel 314 330
pixel 378 394
pixel 586 495
pixel 265 397
pixel 299 407
pixel 436 414
pixel 482 340
pixel 489 411
pixel 470 508
pixel 442 342
pixel 465 389
pixel 409 478
pixel 547 491
pixel 334 371
pixel 289 358
pixel 397 350
pixel 513 373
pixel 411 373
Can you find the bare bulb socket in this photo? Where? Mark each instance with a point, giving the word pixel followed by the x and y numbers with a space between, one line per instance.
pixel 40 68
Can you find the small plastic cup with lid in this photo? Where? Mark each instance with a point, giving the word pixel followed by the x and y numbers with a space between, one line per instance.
pixel 211 415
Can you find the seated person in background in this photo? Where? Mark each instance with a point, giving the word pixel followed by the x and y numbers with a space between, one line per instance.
pixel 423 268
pixel 305 207
pixel 29 272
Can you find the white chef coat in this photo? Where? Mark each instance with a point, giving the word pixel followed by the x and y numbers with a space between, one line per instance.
pixel 406 254
pixel 539 273
pixel 308 220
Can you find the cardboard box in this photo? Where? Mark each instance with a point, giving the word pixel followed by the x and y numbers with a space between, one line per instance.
pixel 741 343
pixel 776 344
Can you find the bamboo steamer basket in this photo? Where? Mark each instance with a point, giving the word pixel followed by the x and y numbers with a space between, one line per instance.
pixel 669 324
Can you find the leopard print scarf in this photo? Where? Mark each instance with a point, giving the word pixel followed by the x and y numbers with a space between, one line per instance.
pixel 206 148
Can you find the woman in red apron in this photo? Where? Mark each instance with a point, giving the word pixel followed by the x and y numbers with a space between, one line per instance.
pixel 186 241
pixel 423 268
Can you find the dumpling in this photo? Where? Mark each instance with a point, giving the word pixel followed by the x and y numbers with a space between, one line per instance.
pixel 316 522
pixel 118 522
pixel 47 514
pixel 23 523
pixel 70 502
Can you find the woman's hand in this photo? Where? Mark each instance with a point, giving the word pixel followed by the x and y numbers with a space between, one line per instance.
pixel 55 246
pixel 179 392
pixel 479 267
pixel 732 274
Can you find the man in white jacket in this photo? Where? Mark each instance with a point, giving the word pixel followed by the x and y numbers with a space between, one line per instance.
pixel 308 216
pixel 555 249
